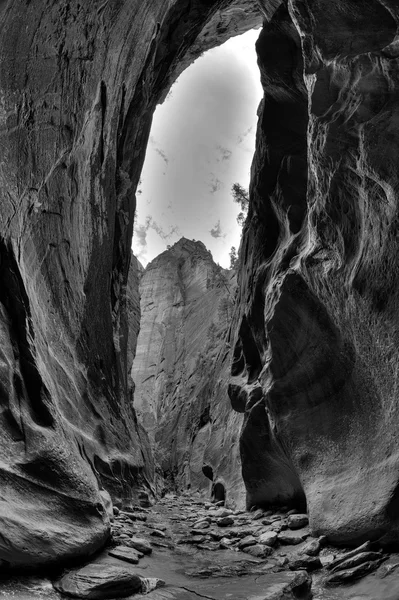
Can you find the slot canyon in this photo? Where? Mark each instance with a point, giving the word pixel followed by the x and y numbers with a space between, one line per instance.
pixel 184 430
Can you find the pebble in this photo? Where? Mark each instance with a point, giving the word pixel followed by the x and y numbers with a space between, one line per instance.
pixel 312 548
pixel 256 536
pixel 258 514
pixel 195 539
pixel 297 521
pixel 309 563
pixel 157 533
pixel 125 553
pixel 201 524
pixel 242 532
pixel 141 545
pixel 222 512
pixel 259 550
pixel 216 535
pixel 148 584
pixel 225 522
pixel 278 526
pixel 249 540
pixel 269 538
pixel 199 532
pixel 292 537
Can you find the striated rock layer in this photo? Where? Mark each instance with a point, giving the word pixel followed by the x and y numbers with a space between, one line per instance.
pixel 79 83
pixel 318 332
pixel 181 371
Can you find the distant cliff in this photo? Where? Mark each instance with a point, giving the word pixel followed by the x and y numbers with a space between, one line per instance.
pixel 182 365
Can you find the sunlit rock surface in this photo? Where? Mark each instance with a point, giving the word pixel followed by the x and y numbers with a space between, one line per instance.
pixel 181 370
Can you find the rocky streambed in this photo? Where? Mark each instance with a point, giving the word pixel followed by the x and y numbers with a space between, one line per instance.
pixel 184 549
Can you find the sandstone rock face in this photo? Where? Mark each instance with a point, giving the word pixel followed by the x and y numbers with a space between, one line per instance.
pixel 316 362
pixel 79 83
pixel 181 370
pixel 318 284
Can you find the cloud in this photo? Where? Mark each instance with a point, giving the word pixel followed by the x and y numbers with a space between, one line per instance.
pixel 140 238
pixel 216 231
pixel 215 184
pixel 224 152
pixel 140 233
pixel 162 155
pixel 242 137
pixel 150 223
pixel 158 150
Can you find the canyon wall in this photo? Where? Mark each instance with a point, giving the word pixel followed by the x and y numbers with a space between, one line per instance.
pixel 318 281
pixel 315 361
pixel 181 371
pixel 79 84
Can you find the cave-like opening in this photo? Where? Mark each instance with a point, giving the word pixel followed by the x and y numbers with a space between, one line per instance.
pixel 202 142
pixel 219 492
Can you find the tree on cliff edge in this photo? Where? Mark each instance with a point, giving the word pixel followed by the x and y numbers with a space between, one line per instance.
pixel 241 196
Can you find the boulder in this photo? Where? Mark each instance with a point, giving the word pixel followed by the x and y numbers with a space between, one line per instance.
pixel 99 581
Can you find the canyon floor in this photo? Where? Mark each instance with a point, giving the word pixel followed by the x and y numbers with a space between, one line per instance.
pixel 186 549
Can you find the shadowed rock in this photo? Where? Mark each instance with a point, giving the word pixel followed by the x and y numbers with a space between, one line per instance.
pixel 317 328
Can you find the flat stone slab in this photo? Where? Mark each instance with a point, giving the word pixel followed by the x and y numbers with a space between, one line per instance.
pixel 272 586
pixel 276 586
pixel 125 553
pixel 99 581
pixel 293 537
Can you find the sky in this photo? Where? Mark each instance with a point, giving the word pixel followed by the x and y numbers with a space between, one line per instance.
pixel 202 141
